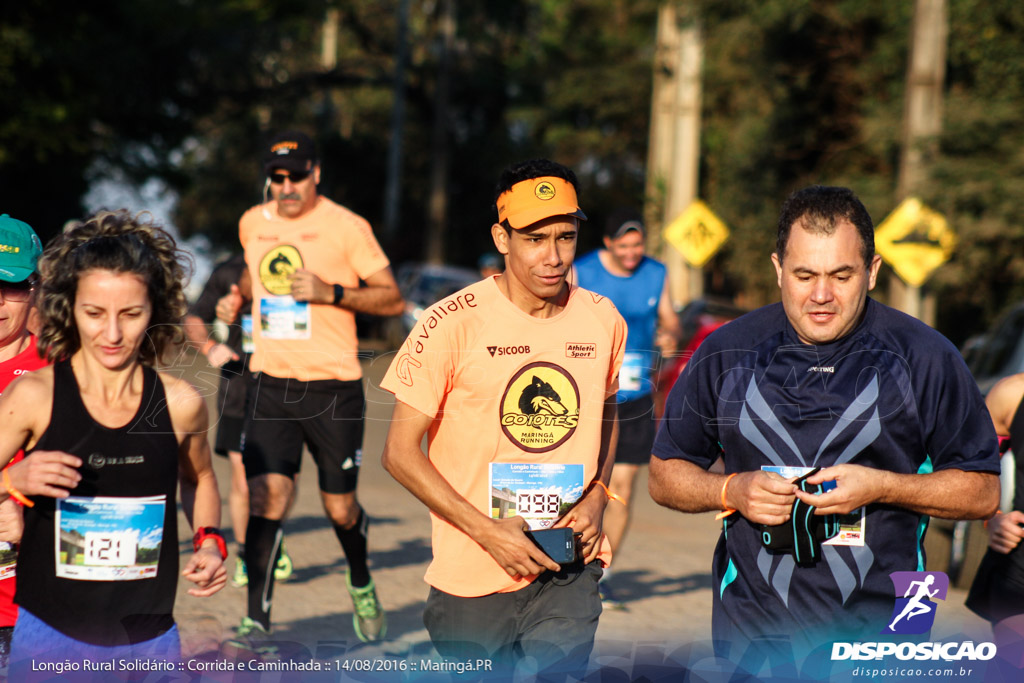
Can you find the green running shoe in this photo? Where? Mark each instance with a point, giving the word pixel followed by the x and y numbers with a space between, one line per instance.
pixel 241 575
pixel 369 620
pixel 251 637
pixel 283 568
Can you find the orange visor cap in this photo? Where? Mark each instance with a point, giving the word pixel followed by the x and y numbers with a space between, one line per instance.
pixel 535 199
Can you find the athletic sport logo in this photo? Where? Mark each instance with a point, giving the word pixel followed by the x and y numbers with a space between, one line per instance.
pixel 540 407
pixel 914 611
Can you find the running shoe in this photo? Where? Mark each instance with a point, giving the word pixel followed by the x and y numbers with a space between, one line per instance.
pixel 250 636
pixel 283 568
pixel 608 599
pixel 369 620
pixel 241 575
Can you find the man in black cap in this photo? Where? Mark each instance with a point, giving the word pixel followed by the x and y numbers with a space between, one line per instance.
pixel 638 286
pixel 306 256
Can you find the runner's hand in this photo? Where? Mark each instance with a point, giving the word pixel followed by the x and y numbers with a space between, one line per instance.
pixel 220 354
pixel 46 473
pixel 761 497
pixel 1004 532
pixel 205 569
pixel 306 286
pixel 505 541
pixel 229 305
pixel 856 486
pixel 12 522
pixel 587 517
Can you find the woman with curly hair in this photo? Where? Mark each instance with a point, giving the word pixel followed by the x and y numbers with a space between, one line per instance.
pixel 107 439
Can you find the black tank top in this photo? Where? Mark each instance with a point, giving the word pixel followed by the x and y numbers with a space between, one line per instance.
pixel 1017 444
pixel 114 580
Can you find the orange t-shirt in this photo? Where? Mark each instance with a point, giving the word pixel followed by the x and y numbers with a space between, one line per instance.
pixel 301 340
pixel 518 404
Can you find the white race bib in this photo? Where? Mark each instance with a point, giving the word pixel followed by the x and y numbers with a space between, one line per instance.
pixel 282 317
pixel 108 539
pixel 539 493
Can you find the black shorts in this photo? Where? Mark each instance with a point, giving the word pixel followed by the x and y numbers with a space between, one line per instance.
pixel 997 592
pixel 636 431
pixel 231 397
pixel 325 415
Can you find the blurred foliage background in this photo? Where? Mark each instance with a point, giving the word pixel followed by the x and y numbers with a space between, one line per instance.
pixel 795 92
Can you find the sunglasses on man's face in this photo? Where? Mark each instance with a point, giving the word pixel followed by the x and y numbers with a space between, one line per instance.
pixel 294 176
pixel 17 291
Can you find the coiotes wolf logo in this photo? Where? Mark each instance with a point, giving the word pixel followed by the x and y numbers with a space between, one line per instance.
pixel 540 407
pixel 277 267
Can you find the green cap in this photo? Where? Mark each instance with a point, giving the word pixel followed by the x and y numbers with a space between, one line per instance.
pixel 19 249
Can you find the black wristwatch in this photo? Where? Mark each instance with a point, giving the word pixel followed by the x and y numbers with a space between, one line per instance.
pixel 339 294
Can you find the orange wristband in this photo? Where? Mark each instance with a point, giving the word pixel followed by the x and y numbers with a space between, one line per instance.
pixel 726 510
pixel 608 492
pixel 984 524
pixel 15 493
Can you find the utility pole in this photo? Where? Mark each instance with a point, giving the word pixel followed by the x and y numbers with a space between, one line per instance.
pixel 922 123
pixel 437 218
pixel 673 155
pixel 659 144
pixel 686 146
pixel 393 188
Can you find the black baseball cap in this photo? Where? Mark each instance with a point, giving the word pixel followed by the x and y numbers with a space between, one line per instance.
pixel 291 151
pixel 621 221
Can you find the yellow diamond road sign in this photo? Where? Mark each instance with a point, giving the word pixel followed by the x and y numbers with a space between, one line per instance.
pixel 697 233
pixel 914 240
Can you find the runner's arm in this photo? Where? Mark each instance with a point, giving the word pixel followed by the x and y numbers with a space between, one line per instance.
pixel 200 500
pixel 947 494
pixel 43 473
pixel 405 460
pixel 761 497
pixel 1003 400
pixel 379 296
pixel 669 331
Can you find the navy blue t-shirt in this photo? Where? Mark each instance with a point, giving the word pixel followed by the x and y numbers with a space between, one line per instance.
pixel 893 394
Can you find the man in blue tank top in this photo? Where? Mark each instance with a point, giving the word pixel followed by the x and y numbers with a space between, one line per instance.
pixel 828 379
pixel 638 286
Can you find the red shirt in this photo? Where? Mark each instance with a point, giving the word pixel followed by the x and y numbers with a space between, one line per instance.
pixel 26 361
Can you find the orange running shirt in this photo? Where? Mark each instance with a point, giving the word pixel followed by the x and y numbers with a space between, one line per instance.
pixel 518 404
pixel 306 341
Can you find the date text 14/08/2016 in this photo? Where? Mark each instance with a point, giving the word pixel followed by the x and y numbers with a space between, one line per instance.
pixel 258 665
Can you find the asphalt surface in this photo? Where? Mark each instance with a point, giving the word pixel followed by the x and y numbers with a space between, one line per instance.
pixel 662 573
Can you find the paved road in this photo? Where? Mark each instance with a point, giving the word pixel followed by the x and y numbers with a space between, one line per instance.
pixel 663 571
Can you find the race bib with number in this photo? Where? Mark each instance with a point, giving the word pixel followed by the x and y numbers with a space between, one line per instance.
pixel 8 560
pixel 247 344
pixel 108 539
pixel 539 493
pixel 633 372
pixel 282 317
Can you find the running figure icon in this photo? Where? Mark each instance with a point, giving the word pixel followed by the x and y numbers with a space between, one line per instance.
pixel 915 607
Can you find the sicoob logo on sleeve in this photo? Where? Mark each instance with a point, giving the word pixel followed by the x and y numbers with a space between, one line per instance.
pixel 540 407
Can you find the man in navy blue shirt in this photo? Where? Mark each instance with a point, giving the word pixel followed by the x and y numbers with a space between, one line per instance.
pixel 829 379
